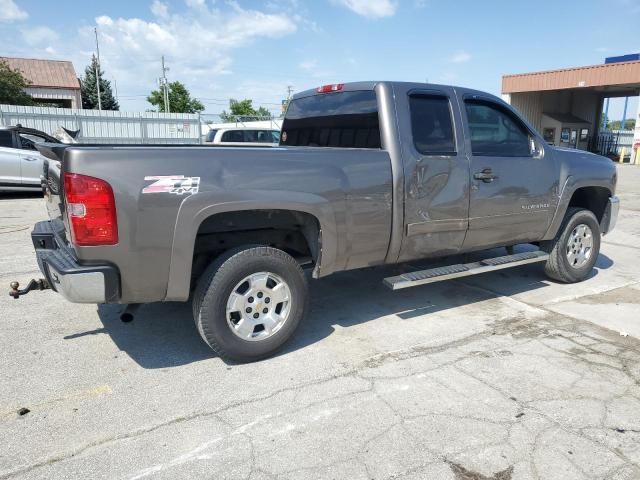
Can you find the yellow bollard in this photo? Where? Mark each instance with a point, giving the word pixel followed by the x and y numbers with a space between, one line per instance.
pixel 623 152
pixel 637 155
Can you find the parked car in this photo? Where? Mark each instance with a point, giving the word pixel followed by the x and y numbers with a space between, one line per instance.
pixel 20 161
pixel 243 137
pixel 367 174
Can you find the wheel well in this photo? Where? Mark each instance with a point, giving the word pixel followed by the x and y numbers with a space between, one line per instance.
pixel 297 233
pixel 591 198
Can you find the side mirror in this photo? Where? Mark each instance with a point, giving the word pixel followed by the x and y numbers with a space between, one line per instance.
pixel 537 150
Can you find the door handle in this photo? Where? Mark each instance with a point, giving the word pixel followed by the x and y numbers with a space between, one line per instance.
pixel 30 159
pixel 485 175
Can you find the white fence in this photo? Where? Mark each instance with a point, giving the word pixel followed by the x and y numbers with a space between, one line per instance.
pixel 107 126
pixel 611 142
pixel 625 139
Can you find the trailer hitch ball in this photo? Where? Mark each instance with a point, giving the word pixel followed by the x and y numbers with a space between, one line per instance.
pixel 16 292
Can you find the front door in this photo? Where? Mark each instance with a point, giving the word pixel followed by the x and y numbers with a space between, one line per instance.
pixel 31 160
pixel 513 183
pixel 436 172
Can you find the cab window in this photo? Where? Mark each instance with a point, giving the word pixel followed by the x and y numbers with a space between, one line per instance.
pixel 495 131
pixel 267 136
pixel 28 141
pixel 6 139
pixel 432 125
pixel 233 136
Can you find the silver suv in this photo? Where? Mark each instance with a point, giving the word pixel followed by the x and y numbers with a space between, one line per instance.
pixel 20 161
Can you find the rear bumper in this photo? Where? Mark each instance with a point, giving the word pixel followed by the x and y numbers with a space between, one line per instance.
pixel 77 283
pixel 610 217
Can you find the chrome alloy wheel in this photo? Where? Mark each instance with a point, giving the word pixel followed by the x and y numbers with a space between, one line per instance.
pixel 579 245
pixel 258 306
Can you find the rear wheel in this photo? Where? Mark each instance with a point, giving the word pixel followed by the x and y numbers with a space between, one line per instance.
pixel 249 302
pixel 576 248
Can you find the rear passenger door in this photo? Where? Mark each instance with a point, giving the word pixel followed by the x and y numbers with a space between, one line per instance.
pixel 10 175
pixel 513 183
pixel 436 172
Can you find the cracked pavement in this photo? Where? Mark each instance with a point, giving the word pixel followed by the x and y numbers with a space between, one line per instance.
pixel 501 376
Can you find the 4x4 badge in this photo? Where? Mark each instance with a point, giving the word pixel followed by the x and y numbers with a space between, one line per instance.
pixel 175 184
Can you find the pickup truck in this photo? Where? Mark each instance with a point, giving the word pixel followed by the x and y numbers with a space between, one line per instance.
pixel 366 174
pixel 242 137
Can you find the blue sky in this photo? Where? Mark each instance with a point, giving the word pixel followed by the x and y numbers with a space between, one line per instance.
pixel 255 49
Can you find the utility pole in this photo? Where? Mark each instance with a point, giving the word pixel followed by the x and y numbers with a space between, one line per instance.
pixel 285 103
pixel 624 113
pixel 605 119
pixel 95 30
pixel 165 87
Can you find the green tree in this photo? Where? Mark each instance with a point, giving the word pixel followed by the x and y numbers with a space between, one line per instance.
pixel 630 124
pixel 244 109
pixel 180 100
pixel 12 85
pixel 90 92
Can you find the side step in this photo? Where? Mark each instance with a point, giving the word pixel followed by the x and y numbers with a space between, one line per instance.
pixel 438 274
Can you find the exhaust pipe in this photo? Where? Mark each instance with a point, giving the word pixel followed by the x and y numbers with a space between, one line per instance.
pixel 128 314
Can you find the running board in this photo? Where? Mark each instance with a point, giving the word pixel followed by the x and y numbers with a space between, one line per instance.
pixel 439 274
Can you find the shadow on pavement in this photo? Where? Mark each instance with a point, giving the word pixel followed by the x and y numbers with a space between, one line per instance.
pixel 161 335
pixel 164 335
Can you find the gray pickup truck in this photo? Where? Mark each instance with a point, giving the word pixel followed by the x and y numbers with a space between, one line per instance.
pixel 366 174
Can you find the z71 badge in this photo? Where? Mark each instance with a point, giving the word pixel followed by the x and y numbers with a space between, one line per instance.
pixel 175 184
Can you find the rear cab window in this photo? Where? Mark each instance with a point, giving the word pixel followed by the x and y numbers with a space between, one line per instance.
pixel 347 119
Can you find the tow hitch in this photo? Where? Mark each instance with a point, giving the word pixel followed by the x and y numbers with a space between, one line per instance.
pixel 39 284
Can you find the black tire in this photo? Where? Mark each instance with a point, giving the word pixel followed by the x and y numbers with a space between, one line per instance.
pixel 217 284
pixel 558 266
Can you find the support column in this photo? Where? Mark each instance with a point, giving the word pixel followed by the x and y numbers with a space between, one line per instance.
pixel 636 138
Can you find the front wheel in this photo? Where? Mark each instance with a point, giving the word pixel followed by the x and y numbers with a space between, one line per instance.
pixel 249 302
pixel 576 248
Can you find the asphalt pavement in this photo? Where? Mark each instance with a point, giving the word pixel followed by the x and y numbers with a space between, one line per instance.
pixel 501 376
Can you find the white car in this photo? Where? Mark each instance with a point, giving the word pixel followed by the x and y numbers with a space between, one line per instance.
pixel 243 137
pixel 20 162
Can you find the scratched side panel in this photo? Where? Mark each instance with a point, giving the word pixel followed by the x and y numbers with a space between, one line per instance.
pixel 436 187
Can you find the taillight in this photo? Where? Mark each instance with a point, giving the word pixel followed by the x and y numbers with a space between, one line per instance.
pixel 336 87
pixel 91 209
